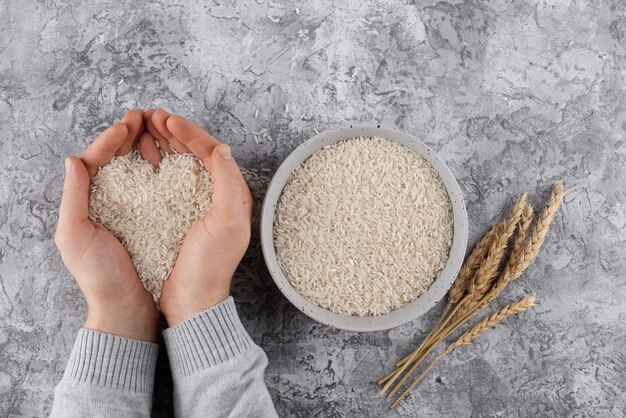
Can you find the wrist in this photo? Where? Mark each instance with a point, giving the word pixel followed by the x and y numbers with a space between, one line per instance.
pixel 137 323
pixel 178 311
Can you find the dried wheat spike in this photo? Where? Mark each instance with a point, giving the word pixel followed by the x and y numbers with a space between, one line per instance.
pixel 518 266
pixel 488 270
pixel 492 320
pixel 520 237
pixel 457 291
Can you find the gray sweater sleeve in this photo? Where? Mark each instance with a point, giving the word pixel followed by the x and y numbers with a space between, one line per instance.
pixel 218 370
pixel 106 376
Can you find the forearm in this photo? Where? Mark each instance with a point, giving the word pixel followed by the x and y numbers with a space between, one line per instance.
pixel 217 368
pixel 106 376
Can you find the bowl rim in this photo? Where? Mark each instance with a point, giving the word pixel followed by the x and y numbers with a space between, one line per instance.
pixel 405 313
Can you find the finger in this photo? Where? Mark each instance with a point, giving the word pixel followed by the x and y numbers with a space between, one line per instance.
pixel 159 118
pixel 74 207
pixel 133 119
pixel 149 150
pixel 147 116
pixel 162 141
pixel 231 194
pixel 196 139
pixel 104 148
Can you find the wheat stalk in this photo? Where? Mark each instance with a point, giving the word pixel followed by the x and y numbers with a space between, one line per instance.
pixel 488 261
pixel 459 287
pixel 516 266
pixel 519 259
pixel 474 332
pixel 455 294
pixel 476 287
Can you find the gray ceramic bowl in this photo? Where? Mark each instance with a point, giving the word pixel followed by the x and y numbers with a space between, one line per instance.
pixel 398 316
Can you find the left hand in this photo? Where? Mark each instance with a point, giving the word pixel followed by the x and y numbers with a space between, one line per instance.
pixel 117 302
pixel 215 244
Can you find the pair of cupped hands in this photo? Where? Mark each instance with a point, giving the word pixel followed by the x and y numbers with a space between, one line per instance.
pixel 117 302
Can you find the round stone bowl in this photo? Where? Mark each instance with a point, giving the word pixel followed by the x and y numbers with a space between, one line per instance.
pixel 405 313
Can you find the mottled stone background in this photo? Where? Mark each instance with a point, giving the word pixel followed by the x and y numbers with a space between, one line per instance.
pixel 512 95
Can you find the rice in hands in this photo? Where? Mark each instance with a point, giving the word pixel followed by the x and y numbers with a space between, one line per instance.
pixel 363 227
pixel 150 211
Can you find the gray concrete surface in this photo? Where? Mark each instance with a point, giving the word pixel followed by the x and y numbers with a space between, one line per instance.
pixel 512 94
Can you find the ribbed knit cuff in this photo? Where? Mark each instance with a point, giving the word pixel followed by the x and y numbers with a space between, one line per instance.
pixel 111 361
pixel 206 339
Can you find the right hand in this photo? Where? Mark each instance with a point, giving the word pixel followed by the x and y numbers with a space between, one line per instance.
pixel 214 246
pixel 117 302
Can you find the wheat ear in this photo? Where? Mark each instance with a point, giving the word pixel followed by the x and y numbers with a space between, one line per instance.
pixel 478 329
pixel 487 272
pixel 520 238
pixel 457 291
pixel 537 238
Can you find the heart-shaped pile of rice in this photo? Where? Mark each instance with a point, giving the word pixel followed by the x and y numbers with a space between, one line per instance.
pixel 151 210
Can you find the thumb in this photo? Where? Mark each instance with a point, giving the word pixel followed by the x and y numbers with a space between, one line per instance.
pixel 75 201
pixel 231 195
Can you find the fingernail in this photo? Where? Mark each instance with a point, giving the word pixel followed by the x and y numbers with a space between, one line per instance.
pixel 224 152
pixel 68 165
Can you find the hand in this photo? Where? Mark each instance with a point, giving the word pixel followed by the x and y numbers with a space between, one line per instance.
pixel 117 302
pixel 214 245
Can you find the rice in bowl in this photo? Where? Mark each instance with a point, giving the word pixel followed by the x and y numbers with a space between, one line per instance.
pixel 363 227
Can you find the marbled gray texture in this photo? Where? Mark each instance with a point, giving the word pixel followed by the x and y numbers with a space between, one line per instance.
pixel 512 95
